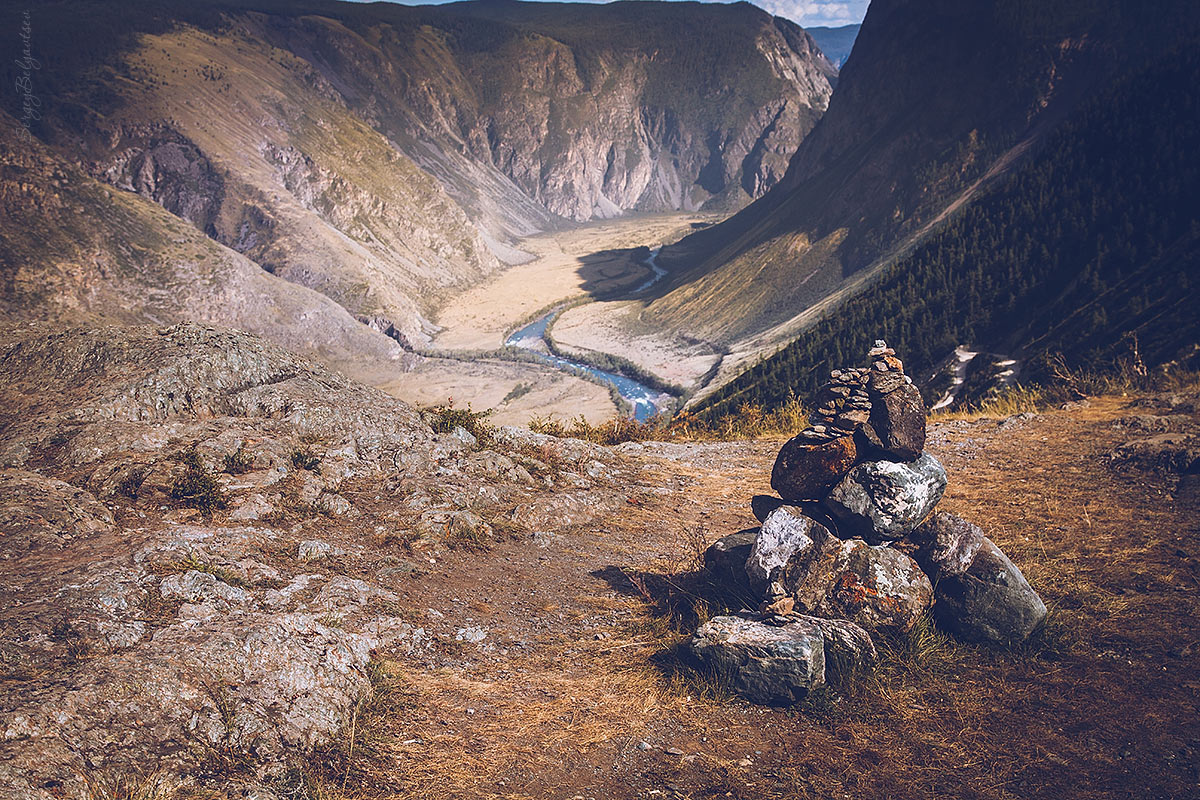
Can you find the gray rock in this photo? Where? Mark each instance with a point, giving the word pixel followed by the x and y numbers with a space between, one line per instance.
pixel 786 536
pixel 898 417
pixel 981 594
pixel 763 663
pixel 725 559
pixel 781 659
pixel 314 549
pixel 849 650
pixel 884 500
pixel 201 588
pixel 947 544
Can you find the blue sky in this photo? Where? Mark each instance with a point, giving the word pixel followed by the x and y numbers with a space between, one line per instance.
pixel 809 13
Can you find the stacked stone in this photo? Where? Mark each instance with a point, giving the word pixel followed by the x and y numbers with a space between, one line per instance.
pixel 850 486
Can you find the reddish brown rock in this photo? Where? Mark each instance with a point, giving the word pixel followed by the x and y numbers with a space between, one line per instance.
pixel 806 471
pixel 898 419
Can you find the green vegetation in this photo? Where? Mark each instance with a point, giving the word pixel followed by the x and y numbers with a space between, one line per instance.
pixel 196 487
pixel 1093 241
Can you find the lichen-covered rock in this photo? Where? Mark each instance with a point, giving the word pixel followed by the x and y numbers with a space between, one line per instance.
pixel 882 501
pixel 770 664
pixel 780 659
pixel 786 537
pixel 981 594
pixel 725 559
pixel 875 587
pixel 805 471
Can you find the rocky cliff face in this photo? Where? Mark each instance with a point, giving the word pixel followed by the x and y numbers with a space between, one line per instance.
pixel 387 156
pixel 590 111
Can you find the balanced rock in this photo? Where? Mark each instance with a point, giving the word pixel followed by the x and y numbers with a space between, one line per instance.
pixel 806 470
pixel 725 559
pixel 882 501
pixel 787 538
pixel 981 594
pixel 781 659
pixel 898 418
pixel 874 587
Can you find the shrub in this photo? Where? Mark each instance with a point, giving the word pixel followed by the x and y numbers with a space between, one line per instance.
pixel 196 487
pixel 238 462
pixel 305 458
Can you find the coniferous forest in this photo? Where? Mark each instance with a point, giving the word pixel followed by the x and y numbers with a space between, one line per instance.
pixel 1093 241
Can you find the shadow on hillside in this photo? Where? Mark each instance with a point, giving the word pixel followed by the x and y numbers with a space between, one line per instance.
pixel 614 274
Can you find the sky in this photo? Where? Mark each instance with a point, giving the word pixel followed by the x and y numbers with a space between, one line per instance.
pixel 808 13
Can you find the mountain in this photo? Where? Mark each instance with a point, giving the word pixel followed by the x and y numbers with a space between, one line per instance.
pixel 1090 251
pixel 386 156
pixel 835 43
pixel 939 100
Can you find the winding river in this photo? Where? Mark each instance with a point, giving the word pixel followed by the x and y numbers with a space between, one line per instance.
pixel 646 402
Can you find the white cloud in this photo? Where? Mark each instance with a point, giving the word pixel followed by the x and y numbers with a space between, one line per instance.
pixel 808 13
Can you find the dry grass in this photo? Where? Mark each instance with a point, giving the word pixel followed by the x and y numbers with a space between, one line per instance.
pixel 1093 706
pixel 750 422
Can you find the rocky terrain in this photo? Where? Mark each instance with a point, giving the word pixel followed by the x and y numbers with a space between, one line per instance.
pixel 229 572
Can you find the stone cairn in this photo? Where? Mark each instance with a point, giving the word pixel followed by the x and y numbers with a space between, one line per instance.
pixel 852 548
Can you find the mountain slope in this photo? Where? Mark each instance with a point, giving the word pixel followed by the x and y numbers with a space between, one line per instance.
pixel 1094 241
pixel 388 157
pixel 835 43
pixel 76 251
pixel 938 98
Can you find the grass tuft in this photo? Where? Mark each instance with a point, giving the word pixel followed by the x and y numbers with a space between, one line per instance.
pixel 196 487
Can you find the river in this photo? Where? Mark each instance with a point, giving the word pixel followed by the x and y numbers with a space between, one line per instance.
pixel 646 402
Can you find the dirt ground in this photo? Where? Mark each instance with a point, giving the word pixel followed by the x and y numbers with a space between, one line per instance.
pixel 578 687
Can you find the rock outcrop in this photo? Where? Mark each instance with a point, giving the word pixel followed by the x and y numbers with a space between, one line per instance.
pixel 185 513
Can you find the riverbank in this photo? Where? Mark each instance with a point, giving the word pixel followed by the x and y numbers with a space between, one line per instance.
pixel 597 259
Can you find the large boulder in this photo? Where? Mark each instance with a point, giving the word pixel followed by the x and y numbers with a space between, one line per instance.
pixel 805 470
pixel 786 539
pixel 981 594
pixel 881 501
pixel 781 659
